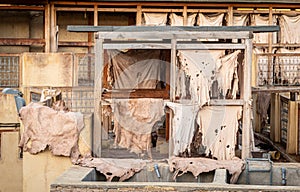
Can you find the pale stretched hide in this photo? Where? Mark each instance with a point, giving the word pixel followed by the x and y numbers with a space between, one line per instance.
pixel 183 126
pixel 155 19
pixel 210 20
pixel 43 126
pixel 240 20
pixel 263 68
pixel 219 125
pixel 122 168
pixel 226 72
pixel 288 66
pixel 200 165
pixel 134 120
pixel 289 29
pixel 135 69
pixel 200 68
pixel 176 20
pixel 258 20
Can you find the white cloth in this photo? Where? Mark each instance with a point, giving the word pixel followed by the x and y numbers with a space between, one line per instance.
pixel 289 29
pixel 155 19
pixel 219 125
pixel 183 126
pixel 176 20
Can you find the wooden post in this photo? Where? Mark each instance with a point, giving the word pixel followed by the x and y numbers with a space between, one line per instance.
pixel 53 46
pixel 292 132
pixel 139 15
pixel 246 134
pixel 275 117
pixel 184 14
pixel 97 129
pixel 230 15
pixel 47 28
pixel 172 92
pixel 95 15
pixel 270 42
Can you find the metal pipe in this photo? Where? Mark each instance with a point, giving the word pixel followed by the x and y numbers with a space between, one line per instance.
pixel 157 170
pixel 283 176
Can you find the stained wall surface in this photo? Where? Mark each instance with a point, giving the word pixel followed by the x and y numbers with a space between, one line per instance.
pixel 10 162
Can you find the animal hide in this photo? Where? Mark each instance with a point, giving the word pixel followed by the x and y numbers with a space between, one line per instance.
pixel 289 29
pixel 219 125
pixel 135 69
pixel 43 126
pixel 155 19
pixel 210 20
pixel 134 120
pixel 122 168
pixel 183 126
pixel 258 20
pixel 176 20
pixel 199 165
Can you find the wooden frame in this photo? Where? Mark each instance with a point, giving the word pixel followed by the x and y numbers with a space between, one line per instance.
pixel 105 38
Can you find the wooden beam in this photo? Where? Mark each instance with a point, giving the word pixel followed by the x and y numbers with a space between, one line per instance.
pixel 246 133
pixel 227 102
pixel 22 41
pixel 23 7
pixel 137 93
pixel 276 89
pixel 180 46
pixel 176 35
pixel 241 29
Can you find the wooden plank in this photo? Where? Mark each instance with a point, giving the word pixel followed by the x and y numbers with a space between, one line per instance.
pixel 160 10
pixel 227 102
pixel 276 89
pixel 22 41
pixel 275 117
pixel 292 132
pixel 176 35
pixel 97 129
pixel 246 134
pixel 197 45
pixel 254 29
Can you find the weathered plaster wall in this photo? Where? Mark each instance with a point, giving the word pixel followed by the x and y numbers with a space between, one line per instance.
pixel 10 163
pixel 47 69
pixel 42 169
pixel 14 25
